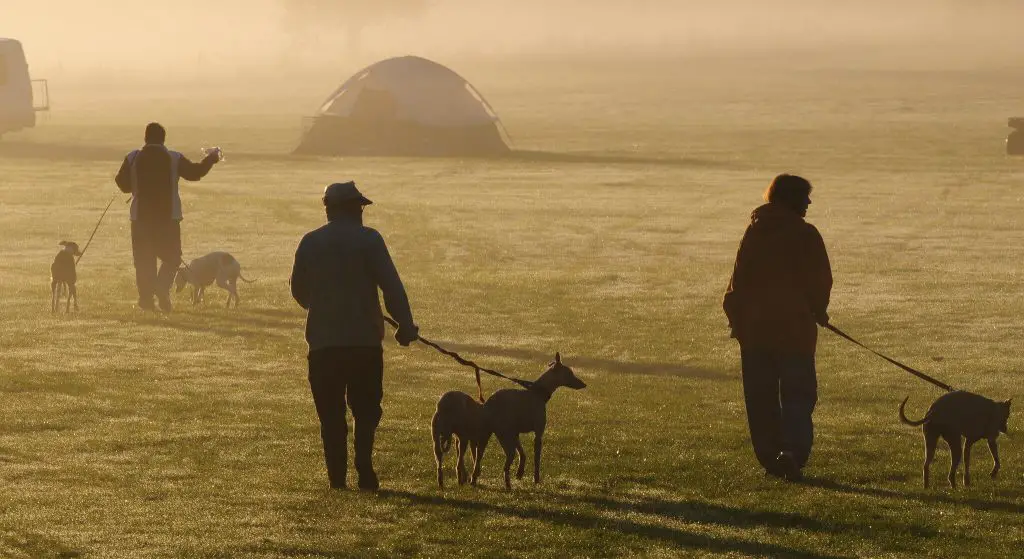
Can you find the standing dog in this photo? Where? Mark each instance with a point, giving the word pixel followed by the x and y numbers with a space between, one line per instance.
pixel 955 416
pixel 63 276
pixel 460 415
pixel 203 271
pixel 511 411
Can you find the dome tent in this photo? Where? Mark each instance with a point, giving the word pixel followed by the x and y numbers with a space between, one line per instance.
pixel 1015 141
pixel 404 106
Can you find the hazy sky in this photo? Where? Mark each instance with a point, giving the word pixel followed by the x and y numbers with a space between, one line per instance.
pixel 74 37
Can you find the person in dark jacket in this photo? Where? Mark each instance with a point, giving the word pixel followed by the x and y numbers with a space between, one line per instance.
pixel 151 175
pixel 777 297
pixel 337 272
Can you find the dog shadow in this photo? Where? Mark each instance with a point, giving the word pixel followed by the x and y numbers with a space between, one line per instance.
pixel 973 502
pixel 619 523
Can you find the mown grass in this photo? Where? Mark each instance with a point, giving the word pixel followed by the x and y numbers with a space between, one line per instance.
pixel 193 435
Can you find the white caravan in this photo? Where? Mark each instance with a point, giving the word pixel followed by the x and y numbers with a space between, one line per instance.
pixel 17 109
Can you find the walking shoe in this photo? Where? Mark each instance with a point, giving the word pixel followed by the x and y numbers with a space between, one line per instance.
pixel 787 467
pixel 165 302
pixel 145 304
pixel 369 482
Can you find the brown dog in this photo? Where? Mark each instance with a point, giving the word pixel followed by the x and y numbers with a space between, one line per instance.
pixel 955 416
pixel 510 412
pixel 63 276
pixel 460 415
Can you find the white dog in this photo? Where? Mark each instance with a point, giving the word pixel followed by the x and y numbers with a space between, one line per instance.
pixel 203 271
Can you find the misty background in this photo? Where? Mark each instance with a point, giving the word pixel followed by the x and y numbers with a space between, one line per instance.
pixel 70 39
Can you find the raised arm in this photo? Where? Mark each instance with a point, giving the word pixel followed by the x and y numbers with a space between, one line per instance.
pixel 194 171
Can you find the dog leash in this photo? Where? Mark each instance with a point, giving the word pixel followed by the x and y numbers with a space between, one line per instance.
pixel 94 229
pixel 906 368
pixel 466 362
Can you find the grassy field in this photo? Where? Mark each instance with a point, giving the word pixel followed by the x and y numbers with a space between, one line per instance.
pixel 125 434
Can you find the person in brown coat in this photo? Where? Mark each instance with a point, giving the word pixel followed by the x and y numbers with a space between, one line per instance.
pixel 777 297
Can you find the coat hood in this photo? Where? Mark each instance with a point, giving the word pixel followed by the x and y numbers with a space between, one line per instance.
pixel 774 213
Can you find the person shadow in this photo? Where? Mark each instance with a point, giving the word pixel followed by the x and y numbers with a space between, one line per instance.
pixel 622 517
pixel 934 498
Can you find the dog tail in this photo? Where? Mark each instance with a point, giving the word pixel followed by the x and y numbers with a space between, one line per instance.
pixel 903 416
pixel 442 435
pixel 240 276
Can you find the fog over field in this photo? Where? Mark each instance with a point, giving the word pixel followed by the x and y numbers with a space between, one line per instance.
pixel 76 39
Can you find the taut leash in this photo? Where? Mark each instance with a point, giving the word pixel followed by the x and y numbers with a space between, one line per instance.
pixel 466 362
pixel 94 229
pixel 906 368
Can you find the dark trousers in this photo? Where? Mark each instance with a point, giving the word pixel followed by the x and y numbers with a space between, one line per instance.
pixel 153 240
pixel 355 374
pixel 780 392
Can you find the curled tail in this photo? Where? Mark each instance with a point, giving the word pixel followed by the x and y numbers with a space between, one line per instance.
pixel 240 276
pixel 903 416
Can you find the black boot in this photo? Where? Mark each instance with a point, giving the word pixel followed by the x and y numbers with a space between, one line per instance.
pixel 364 460
pixel 336 460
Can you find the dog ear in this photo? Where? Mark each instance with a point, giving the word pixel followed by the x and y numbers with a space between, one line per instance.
pixel 558 358
pixel 63 243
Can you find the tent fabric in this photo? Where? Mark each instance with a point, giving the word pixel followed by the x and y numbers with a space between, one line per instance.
pixel 404 106
pixel 1015 143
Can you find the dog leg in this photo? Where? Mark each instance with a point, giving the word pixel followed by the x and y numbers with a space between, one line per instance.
pixel 473 446
pixel 479 458
pixel 955 442
pixel 994 448
pixel 967 461
pixel 460 465
pixel 509 445
pixel 439 460
pixel 67 303
pixel 931 440
pixel 538 442
pixel 54 297
pixel 522 459
pixel 74 293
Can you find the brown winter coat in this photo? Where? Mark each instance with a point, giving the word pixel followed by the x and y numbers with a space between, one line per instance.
pixel 780 284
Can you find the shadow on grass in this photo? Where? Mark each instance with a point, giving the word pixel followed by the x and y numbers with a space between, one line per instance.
pixel 611 365
pixel 666 534
pixel 700 511
pixel 228 323
pixel 610 159
pixel 80 152
pixel 58 151
pixel 973 502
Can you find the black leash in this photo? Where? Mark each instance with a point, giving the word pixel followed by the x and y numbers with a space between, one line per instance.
pixel 94 229
pixel 906 368
pixel 466 362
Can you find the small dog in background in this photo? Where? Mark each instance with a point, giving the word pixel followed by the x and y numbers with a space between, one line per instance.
pixel 203 271
pixel 460 415
pixel 63 276
pixel 511 411
pixel 957 415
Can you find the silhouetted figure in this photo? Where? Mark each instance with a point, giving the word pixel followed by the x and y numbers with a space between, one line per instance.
pixel 1015 141
pixel 777 296
pixel 151 175
pixel 338 269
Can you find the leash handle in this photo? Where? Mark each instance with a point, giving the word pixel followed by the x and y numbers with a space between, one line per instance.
pixel 906 368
